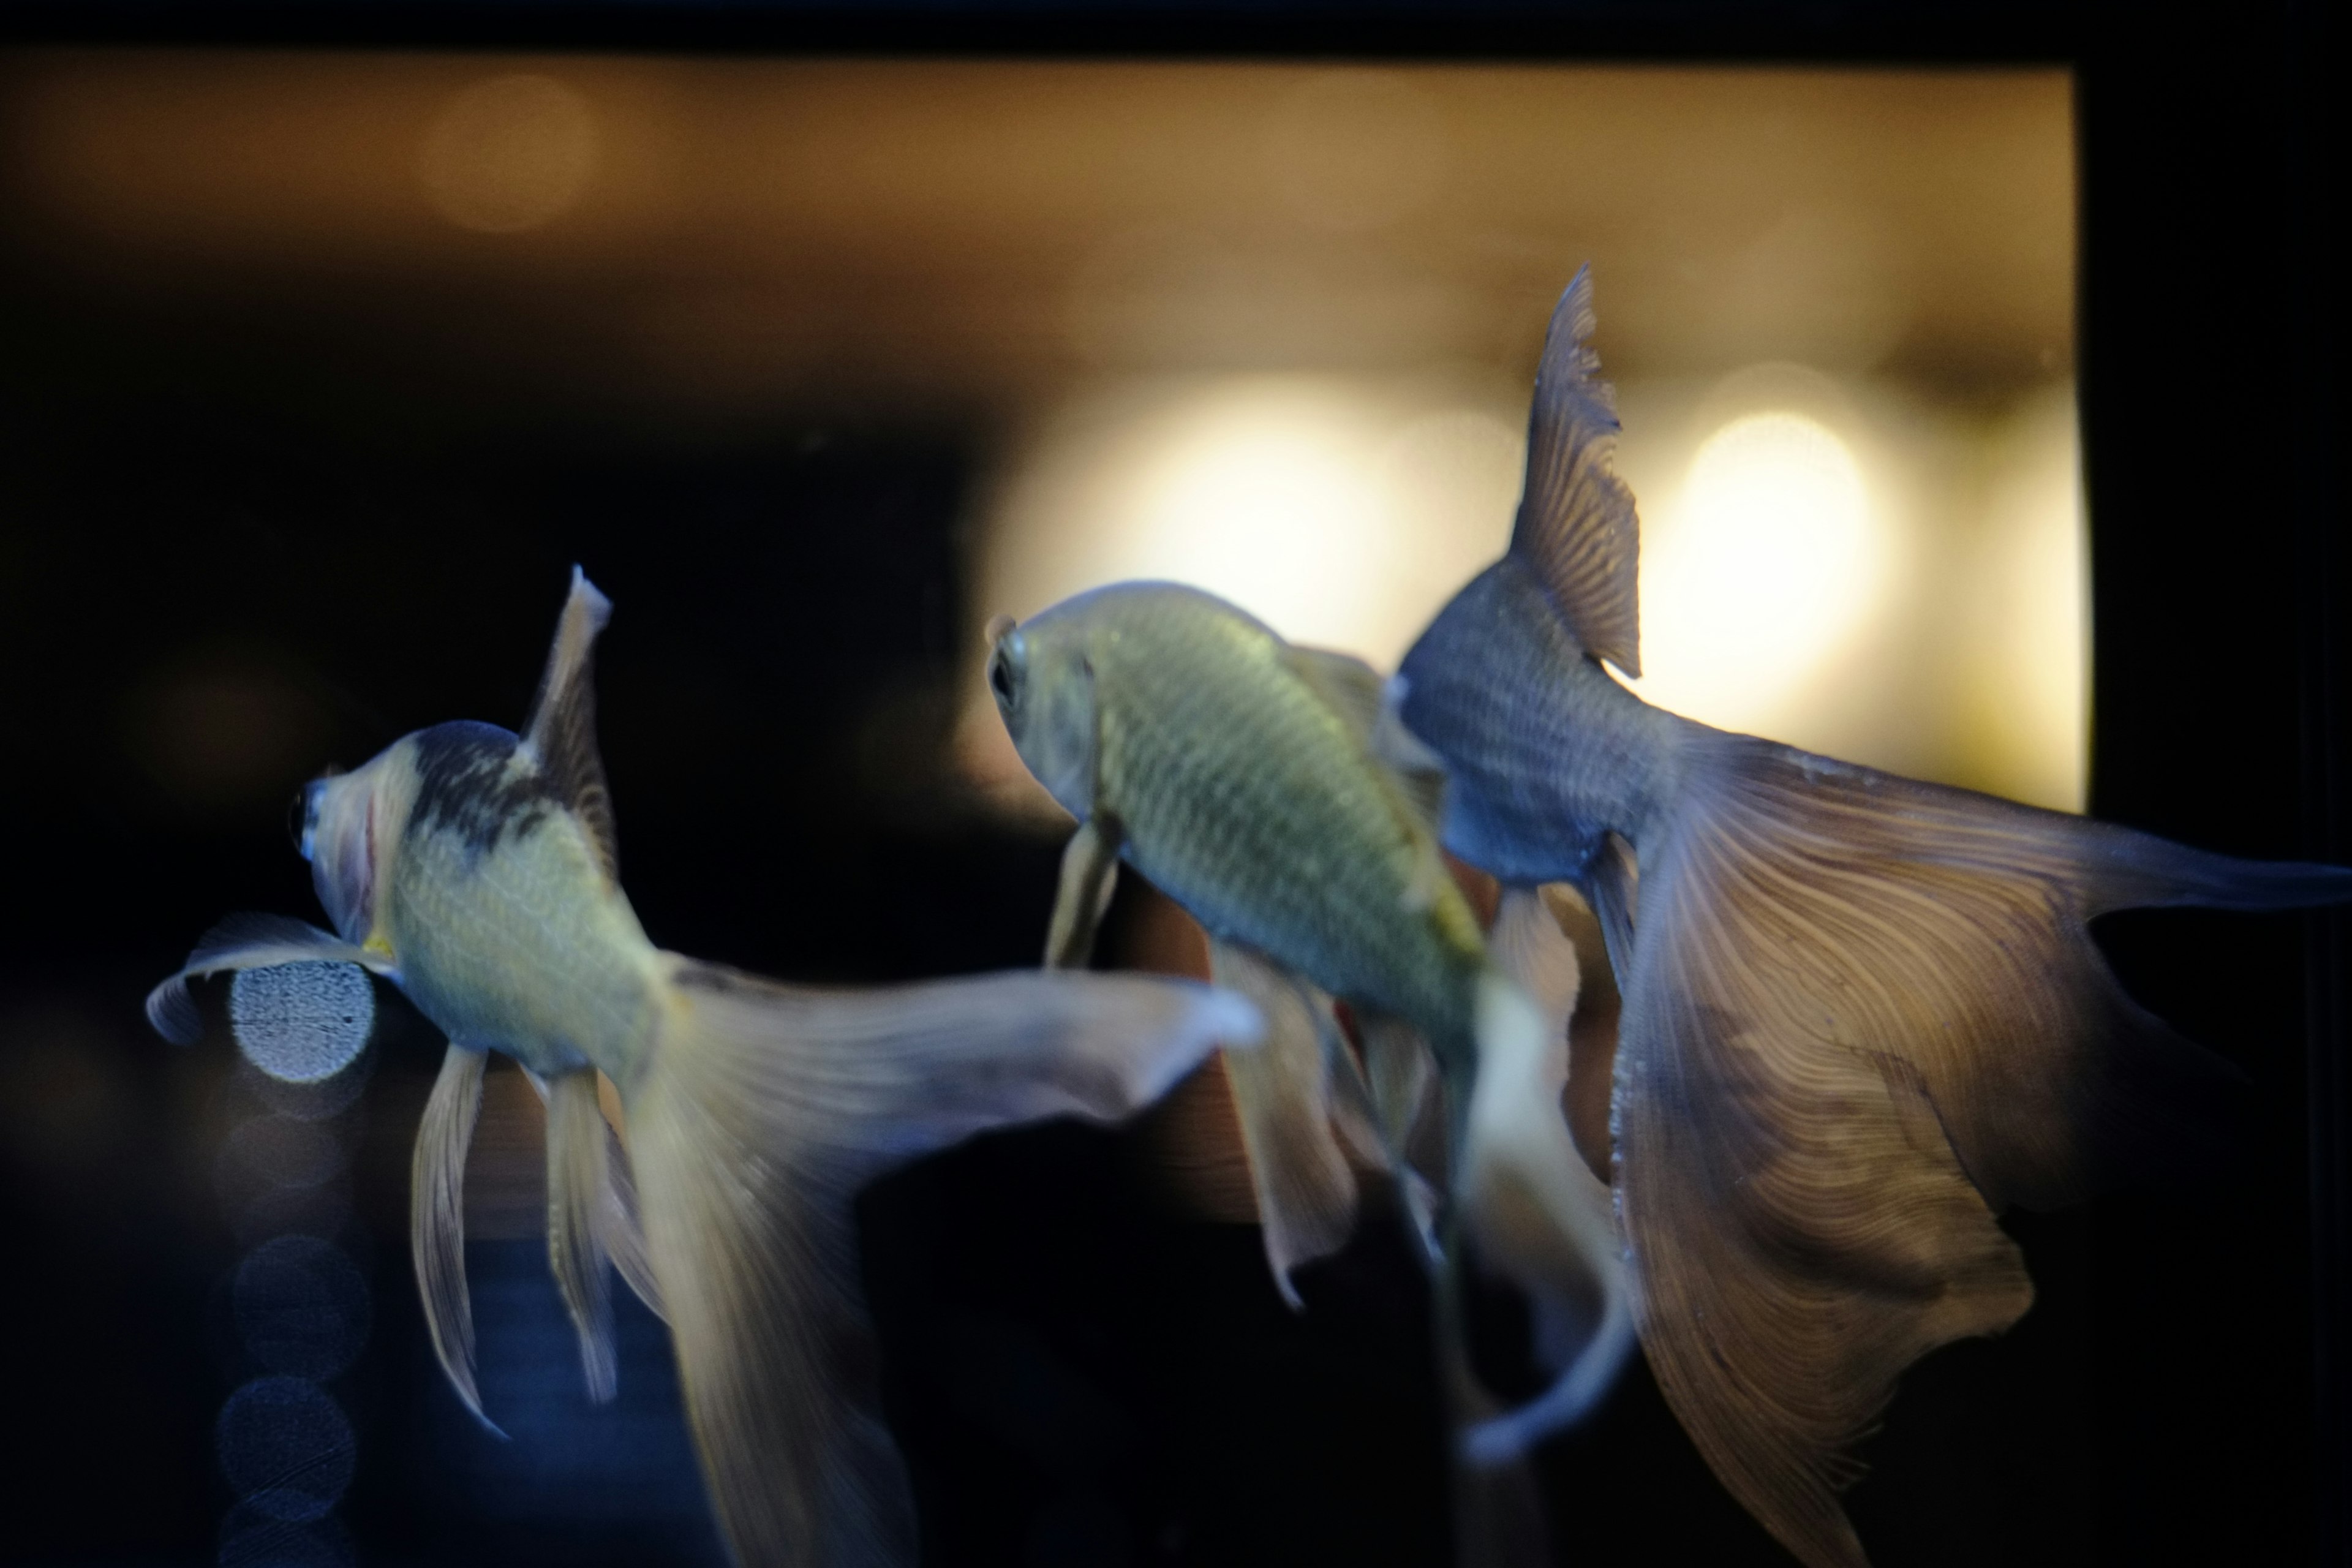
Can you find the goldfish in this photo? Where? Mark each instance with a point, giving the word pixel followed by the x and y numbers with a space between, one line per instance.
pixel 477 870
pixel 1862 1014
pixel 1246 779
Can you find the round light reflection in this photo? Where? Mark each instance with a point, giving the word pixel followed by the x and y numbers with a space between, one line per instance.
pixel 509 153
pixel 285 1448
pixel 1769 562
pixel 302 1022
pixel 302 1307
pixel 1265 500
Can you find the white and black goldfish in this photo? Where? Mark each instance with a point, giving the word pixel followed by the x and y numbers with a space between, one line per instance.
pixel 474 868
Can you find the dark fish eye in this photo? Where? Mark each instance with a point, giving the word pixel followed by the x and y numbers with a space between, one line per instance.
pixel 1001 676
pixel 302 814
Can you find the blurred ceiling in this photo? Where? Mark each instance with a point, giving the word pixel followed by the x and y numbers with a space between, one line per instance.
pixel 981 236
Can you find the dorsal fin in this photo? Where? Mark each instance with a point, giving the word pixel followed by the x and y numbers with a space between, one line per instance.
pixel 1356 691
pixel 562 727
pixel 1349 685
pixel 1577 525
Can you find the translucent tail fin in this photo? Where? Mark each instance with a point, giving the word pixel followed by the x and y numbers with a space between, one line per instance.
pixel 1535 1210
pixel 1862 1015
pixel 1498 1510
pixel 762 1111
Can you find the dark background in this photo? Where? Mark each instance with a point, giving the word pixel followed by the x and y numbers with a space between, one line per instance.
pixel 202 509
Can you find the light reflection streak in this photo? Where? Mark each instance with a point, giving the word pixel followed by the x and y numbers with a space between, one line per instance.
pixel 1831 562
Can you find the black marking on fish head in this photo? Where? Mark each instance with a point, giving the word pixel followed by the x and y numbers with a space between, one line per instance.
pixel 1042 681
pixel 479 785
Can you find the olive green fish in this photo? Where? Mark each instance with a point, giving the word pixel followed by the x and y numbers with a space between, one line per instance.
pixel 1241 777
pixel 476 869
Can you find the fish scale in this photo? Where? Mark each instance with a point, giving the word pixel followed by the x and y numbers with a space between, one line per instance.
pixel 1608 758
pixel 1247 779
pixel 480 933
pixel 1247 798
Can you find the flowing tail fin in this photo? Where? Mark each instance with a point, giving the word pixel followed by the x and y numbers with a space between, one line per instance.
pixel 761 1113
pixel 1535 1210
pixel 1499 1519
pixel 1862 1015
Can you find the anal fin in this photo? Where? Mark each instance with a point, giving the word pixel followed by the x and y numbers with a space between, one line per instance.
pixel 580 1195
pixel 1282 1091
pixel 618 1228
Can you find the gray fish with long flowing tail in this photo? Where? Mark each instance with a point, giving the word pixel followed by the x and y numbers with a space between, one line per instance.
pixel 1862 1014
pixel 475 868
pixel 1243 777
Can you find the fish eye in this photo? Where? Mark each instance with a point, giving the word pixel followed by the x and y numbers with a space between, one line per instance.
pixel 1003 679
pixel 302 814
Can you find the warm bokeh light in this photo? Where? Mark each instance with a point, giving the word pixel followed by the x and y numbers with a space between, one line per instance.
pixel 1263 495
pixel 1764 565
pixel 509 153
pixel 1826 561
pixel 1341 512
pixel 1264 327
pixel 2027 694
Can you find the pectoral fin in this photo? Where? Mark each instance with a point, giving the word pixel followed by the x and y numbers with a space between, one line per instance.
pixel 436 1218
pixel 248 942
pixel 1282 1092
pixel 1090 874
